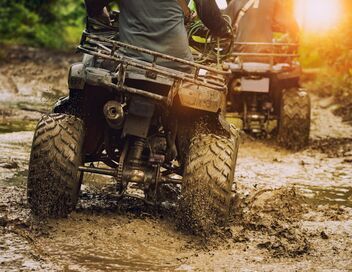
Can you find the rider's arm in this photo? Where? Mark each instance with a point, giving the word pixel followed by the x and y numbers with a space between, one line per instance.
pixel 95 7
pixel 232 10
pixel 209 13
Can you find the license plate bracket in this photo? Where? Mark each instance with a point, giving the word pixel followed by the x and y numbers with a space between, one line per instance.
pixel 260 85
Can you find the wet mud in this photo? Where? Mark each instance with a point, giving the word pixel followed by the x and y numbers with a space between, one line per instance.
pixel 292 211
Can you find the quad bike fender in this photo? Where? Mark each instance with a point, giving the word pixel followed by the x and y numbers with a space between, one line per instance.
pixel 62 105
pixel 290 74
pixel 77 74
pixel 80 75
pixel 201 98
pixel 77 77
pixel 217 124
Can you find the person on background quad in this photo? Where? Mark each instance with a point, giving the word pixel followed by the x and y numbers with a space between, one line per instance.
pixel 257 20
pixel 159 25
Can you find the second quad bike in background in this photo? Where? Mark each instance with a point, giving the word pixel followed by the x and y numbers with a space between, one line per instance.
pixel 266 96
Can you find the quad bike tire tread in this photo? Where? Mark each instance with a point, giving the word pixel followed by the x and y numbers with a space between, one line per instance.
pixel 294 122
pixel 208 180
pixel 53 179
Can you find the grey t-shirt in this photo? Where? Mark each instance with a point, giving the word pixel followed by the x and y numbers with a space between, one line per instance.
pixel 157 25
pixel 260 21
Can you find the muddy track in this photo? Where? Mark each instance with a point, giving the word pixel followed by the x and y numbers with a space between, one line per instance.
pixel 293 211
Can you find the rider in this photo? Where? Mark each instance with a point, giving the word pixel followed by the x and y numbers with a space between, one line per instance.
pixel 257 20
pixel 159 25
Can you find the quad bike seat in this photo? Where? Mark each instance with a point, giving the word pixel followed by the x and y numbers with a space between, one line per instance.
pixel 289 70
pixel 257 67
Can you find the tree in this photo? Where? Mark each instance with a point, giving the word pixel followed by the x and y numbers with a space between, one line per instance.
pixel 39 22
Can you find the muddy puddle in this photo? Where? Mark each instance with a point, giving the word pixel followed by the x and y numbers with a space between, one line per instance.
pixel 271 229
pixel 15 255
pixel 333 196
pixel 112 242
pixel 293 211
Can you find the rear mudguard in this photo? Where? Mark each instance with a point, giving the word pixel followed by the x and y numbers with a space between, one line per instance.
pixel 62 105
pixel 76 76
pixel 201 98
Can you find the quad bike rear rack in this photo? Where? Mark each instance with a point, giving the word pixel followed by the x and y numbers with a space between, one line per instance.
pixel 109 49
pixel 276 49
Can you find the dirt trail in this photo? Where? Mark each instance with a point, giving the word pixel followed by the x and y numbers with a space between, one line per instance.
pixel 293 211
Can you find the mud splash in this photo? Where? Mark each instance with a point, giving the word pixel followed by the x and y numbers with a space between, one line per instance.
pixel 293 210
pixel 271 229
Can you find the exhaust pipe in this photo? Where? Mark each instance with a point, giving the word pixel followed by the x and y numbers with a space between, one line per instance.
pixel 114 114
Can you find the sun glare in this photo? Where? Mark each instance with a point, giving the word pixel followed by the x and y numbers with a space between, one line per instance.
pixel 312 15
pixel 318 15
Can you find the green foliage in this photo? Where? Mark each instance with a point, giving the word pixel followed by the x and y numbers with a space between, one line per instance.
pixel 333 55
pixel 51 23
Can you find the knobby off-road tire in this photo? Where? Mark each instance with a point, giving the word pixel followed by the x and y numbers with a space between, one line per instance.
pixel 53 179
pixel 207 181
pixel 294 121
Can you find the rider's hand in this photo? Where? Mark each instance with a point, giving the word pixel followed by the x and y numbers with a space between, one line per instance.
pixel 224 32
pixel 189 17
pixel 104 17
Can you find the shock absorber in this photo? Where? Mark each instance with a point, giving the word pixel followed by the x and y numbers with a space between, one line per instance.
pixel 136 151
pixel 134 170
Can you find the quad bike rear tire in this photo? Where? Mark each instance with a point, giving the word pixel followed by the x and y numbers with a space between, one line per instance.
pixel 294 121
pixel 54 179
pixel 208 180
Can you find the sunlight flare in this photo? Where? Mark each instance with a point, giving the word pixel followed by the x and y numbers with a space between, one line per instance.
pixel 318 15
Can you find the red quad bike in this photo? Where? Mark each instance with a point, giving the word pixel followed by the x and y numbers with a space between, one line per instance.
pixel 266 96
pixel 148 124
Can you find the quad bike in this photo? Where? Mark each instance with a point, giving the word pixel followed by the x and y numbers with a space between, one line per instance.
pixel 266 96
pixel 150 125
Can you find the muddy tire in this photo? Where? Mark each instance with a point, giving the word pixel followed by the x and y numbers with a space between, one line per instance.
pixel 53 179
pixel 207 181
pixel 294 121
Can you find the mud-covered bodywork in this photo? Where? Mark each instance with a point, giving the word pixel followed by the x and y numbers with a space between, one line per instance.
pixel 144 122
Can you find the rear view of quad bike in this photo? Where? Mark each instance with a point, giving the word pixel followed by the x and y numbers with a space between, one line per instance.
pixel 149 125
pixel 265 95
pixel 264 98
